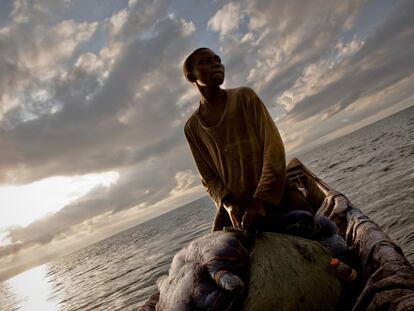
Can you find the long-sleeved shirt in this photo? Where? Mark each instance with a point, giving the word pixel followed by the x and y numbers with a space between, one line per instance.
pixel 242 154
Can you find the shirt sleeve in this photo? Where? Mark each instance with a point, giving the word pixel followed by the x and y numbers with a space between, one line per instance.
pixel 209 178
pixel 273 175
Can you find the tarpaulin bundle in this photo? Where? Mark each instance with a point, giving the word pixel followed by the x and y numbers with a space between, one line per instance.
pixel 388 277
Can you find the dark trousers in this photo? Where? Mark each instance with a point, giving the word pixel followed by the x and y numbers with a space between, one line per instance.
pixel 293 199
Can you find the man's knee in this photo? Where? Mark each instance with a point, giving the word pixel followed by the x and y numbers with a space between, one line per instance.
pixel 294 199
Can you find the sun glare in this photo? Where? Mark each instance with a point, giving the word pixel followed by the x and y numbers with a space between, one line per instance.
pixel 21 205
pixel 32 291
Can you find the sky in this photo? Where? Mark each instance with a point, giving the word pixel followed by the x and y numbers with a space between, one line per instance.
pixel 93 100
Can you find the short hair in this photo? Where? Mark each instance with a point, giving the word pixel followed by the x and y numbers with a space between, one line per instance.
pixel 188 63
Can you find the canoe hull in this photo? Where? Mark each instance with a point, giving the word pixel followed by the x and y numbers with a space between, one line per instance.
pixel 387 276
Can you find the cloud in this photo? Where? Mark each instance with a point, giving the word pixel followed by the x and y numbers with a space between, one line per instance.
pixel 226 19
pixel 103 109
pixel 32 54
pixel 317 76
pixel 139 186
pixel 383 60
pixel 185 180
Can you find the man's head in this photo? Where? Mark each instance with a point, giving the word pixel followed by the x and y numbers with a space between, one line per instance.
pixel 204 67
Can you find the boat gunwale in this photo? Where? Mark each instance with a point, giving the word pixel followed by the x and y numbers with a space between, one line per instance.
pixel 387 276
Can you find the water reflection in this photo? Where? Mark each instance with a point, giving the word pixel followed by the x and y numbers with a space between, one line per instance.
pixel 32 291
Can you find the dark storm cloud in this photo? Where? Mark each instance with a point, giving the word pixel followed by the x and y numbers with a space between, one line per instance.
pixel 13 39
pixel 87 136
pixel 312 26
pixel 385 59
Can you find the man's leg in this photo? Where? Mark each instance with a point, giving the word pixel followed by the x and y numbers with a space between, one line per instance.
pixel 293 199
pixel 293 216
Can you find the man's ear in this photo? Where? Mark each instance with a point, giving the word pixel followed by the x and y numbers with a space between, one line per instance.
pixel 191 77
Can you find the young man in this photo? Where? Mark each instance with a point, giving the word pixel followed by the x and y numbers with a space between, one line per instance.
pixel 237 148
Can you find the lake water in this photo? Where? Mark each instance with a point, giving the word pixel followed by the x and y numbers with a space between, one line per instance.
pixel 373 167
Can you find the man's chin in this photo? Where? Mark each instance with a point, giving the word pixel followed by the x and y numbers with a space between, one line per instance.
pixel 219 81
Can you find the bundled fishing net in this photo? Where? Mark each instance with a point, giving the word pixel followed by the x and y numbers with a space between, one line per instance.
pixel 208 274
pixel 214 271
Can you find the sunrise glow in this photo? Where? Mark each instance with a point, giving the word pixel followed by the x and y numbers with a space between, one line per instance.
pixel 21 205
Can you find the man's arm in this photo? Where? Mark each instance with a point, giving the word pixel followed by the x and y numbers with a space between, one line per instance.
pixel 209 178
pixel 225 200
pixel 273 175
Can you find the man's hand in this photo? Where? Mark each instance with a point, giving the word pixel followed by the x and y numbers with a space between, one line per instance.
pixel 235 214
pixel 254 214
pixel 234 210
pixel 221 220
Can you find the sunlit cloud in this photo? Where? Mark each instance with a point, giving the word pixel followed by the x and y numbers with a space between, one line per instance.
pixel 185 180
pixel 21 205
pixel 4 238
pixel 226 19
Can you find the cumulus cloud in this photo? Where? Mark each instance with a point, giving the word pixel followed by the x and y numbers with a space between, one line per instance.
pixel 318 76
pixel 101 112
pixel 185 180
pixel 32 55
pixel 382 60
pixel 226 19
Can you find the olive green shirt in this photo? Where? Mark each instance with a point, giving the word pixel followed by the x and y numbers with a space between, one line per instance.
pixel 242 154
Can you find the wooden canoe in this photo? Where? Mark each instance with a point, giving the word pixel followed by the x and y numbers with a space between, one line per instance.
pixel 387 276
pixel 386 279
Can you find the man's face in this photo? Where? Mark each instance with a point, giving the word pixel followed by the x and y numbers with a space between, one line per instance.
pixel 207 68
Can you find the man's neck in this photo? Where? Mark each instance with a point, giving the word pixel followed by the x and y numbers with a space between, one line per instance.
pixel 211 96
